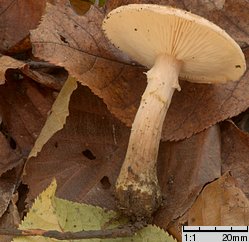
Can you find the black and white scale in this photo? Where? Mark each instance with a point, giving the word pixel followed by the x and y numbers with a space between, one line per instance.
pixel 214 233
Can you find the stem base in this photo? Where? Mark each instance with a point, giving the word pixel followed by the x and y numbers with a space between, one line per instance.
pixel 138 202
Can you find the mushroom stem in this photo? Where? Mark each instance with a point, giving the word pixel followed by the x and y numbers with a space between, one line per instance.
pixel 137 186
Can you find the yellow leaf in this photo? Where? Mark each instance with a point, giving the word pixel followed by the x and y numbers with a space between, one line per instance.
pixel 52 213
pixel 42 215
pixel 57 118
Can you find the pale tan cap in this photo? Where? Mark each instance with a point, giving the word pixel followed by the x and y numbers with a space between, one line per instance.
pixel 144 31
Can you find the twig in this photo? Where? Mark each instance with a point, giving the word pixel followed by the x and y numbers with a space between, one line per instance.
pixel 41 64
pixel 125 231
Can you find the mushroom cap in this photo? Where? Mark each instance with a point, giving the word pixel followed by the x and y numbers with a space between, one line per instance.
pixel 144 31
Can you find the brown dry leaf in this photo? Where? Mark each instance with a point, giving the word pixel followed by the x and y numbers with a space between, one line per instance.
pixel 77 43
pixel 39 76
pixel 16 19
pixel 24 106
pixel 8 184
pixel 184 168
pixel 85 156
pixel 235 150
pixel 52 80
pixel 198 106
pixel 6 63
pixel 220 203
pixel 10 219
pixel 80 7
pixel 175 227
pixel 9 157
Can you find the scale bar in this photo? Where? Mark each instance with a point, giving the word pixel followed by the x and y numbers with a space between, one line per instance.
pixel 215 230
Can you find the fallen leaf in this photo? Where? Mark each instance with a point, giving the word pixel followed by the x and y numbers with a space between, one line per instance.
pixel 199 106
pixel 24 106
pixel 78 44
pixel 10 219
pixel 52 213
pixel 242 121
pixel 42 214
pixel 39 76
pixel 6 63
pixel 235 149
pixel 54 80
pixel 85 156
pixel 80 7
pixel 221 203
pixel 175 226
pixel 183 170
pixel 16 19
pixel 8 185
pixel 9 157
pixel 6 190
pixel 57 117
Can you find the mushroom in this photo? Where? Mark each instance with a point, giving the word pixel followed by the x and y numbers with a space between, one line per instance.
pixel 172 43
